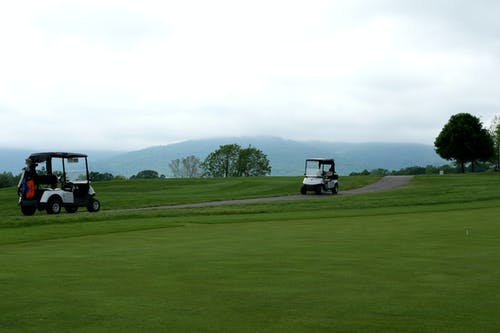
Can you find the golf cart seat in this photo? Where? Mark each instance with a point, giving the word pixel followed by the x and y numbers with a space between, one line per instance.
pixel 46 180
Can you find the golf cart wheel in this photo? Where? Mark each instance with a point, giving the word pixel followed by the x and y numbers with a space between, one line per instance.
pixel 303 190
pixel 335 189
pixel 28 210
pixel 71 209
pixel 94 205
pixel 54 205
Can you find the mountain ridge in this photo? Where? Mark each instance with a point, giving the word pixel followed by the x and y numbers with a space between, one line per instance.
pixel 286 156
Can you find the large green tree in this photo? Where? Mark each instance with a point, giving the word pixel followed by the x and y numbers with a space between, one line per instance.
pixel 222 162
pixel 464 140
pixel 233 161
pixel 252 162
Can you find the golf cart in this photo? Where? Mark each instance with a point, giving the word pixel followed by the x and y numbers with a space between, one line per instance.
pixel 52 181
pixel 320 176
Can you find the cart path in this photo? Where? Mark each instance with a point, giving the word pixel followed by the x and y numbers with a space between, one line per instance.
pixel 386 183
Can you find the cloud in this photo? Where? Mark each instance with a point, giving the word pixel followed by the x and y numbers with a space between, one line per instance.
pixel 138 74
pixel 108 26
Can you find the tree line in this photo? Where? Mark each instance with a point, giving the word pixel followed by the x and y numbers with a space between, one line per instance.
pixel 419 170
pixel 7 179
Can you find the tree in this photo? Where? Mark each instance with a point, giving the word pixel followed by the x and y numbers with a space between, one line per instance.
pixel 175 168
pixel 497 145
pixel 464 139
pixel 191 166
pixel 252 162
pixel 222 162
pixel 187 167
pixel 495 134
pixel 146 174
pixel 232 161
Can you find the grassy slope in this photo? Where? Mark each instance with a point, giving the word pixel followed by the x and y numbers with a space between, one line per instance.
pixel 420 259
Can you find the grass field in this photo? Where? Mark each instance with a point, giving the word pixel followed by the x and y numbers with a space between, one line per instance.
pixel 425 258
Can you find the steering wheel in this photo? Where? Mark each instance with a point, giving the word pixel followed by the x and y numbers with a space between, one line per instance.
pixel 69 186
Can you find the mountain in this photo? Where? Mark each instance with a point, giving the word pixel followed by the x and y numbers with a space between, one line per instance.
pixel 286 156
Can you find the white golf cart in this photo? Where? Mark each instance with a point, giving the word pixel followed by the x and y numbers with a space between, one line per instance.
pixel 52 181
pixel 320 176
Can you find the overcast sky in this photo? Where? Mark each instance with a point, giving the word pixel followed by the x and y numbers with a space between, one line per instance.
pixel 125 75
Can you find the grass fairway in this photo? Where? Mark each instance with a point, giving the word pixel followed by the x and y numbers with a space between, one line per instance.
pixel 425 258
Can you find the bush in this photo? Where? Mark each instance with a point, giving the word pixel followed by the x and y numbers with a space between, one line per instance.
pixel 97 176
pixel 146 174
pixel 7 179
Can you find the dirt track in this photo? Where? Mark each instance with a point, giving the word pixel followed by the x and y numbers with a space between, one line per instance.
pixel 385 184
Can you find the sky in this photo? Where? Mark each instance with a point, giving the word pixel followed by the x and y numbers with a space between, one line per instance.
pixel 125 75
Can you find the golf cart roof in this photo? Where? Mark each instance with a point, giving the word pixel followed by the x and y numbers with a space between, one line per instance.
pixel 41 157
pixel 322 160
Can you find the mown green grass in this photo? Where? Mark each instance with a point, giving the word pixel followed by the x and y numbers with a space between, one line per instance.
pixel 420 259
pixel 123 194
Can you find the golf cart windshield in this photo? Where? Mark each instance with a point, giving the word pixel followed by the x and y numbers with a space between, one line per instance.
pixel 313 169
pixel 74 167
pixel 318 167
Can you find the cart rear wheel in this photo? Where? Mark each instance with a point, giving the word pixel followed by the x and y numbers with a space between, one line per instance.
pixel 54 205
pixel 28 210
pixel 335 189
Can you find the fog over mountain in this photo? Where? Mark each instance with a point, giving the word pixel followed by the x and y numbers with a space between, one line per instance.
pixel 286 156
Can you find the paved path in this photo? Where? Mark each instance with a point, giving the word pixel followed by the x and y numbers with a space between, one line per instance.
pixel 387 183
